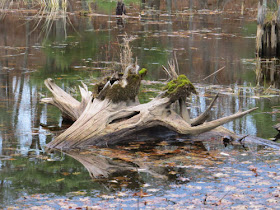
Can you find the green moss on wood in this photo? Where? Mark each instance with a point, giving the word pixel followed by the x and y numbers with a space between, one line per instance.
pixel 97 88
pixel 270 16
pixel 178 88
pixel 117 93
pixel 143 72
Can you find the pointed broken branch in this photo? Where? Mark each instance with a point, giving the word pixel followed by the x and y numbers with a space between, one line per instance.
pixel 69 106
pixel 203 117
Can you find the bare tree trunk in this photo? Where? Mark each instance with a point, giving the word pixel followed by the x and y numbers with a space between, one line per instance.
pixel 268 34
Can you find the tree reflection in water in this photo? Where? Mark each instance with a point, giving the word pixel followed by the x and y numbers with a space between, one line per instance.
pixel 268 72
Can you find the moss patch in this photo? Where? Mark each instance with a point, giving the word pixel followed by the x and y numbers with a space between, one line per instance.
pixel 270 16
pixel 178 88
pixel 143 72
pixel 97 88
pixel 116 92
pixel 128 93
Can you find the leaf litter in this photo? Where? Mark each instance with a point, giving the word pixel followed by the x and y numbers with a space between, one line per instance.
pixel 190 176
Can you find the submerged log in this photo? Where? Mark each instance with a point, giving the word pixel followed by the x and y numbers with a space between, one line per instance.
pixel 112 113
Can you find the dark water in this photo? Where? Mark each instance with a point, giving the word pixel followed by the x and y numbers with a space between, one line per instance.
pixel 163 175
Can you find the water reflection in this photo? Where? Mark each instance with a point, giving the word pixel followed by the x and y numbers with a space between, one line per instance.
pixel 87 48
pixel 156 169
pixel 268 72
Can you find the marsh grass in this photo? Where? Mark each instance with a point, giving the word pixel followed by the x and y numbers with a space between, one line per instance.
pixel 126 58
pixel 49 11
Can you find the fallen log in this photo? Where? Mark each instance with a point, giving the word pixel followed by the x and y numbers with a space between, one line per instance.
pixel 112 112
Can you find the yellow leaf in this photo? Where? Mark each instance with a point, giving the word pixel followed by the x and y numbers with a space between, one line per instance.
pixel 59 180
pixel 173 172
pixel 76 173
pixel 78 193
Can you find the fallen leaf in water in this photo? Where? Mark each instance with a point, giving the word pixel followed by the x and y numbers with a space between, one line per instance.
pixel 172 172
pixel 50 159
pixel 122 194
pixel 78 193
pixel 220 175
pixel 76 173
pixel 65 173
pixel 153 190
pixel 171 164
pixel 107 196
pixel 141 194
pixel 253 169
pixel 163 143
pixel 183 179
pixel 146 185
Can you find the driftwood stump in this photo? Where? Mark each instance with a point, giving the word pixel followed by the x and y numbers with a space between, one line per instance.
pixel 112 112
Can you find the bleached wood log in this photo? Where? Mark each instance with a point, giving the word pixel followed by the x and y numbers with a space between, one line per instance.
pixel 115 114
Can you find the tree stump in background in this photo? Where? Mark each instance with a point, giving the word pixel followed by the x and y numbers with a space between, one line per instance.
pixel 268 30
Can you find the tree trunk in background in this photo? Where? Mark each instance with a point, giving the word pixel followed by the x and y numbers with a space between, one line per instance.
pixel 268 30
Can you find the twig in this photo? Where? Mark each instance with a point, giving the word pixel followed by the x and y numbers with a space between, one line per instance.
pixel 240 139
pixel 214 72
pixel 220 201
pixel 206 196
pixel 176 62
pixel 166 70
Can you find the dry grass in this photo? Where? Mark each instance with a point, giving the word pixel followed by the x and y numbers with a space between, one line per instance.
pixel 49 11
pixel 126 53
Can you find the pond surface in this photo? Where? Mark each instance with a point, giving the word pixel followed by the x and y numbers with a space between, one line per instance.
pixel 171 173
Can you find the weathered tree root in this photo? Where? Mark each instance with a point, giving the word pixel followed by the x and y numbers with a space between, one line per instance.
pixel 69 106
pixel 115 114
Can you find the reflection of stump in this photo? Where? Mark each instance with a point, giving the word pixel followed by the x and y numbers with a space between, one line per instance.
pixel 267 36
pixel 120 10
pixel 268 44
pixel 268 72
pixel 268 32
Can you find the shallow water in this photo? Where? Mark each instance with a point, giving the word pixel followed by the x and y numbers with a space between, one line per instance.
pixel 175 174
